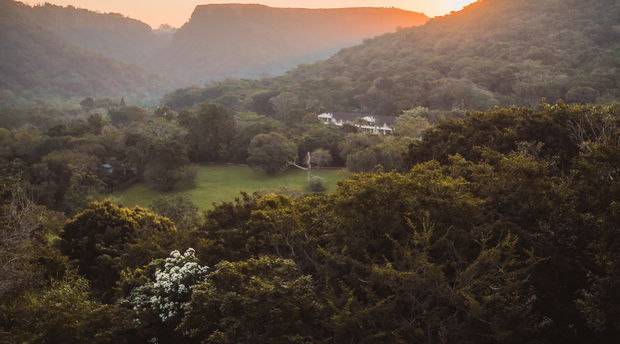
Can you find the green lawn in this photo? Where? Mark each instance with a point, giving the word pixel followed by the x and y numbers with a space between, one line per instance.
pixel 223 183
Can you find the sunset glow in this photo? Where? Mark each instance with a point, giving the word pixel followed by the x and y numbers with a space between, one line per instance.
pixel 177 12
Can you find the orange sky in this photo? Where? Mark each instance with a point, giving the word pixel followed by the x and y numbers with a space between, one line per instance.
pixel 176 12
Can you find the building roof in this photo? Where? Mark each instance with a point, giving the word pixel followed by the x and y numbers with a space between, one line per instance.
pixel 352 117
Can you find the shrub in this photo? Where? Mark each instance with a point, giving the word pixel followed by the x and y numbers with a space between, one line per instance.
pixel 316 184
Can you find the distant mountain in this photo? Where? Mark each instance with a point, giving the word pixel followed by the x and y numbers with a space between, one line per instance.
pixel 37 66
pixel 493 52
pixel 247 40
pixel 52 52
pixel 110 34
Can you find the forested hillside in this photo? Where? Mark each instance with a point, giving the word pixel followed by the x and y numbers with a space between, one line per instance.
pixel 494 52
pixel 501 228
pixel 248 40
pixel 473 222
pixel 37 66
pixel 113 35
pixel 50 53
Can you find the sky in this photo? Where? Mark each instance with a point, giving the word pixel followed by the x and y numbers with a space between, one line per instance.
pixel 177 12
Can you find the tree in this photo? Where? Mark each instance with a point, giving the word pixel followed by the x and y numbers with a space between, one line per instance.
pixel 95 123
pixel 105 239
pixel 320 136
pixel 159 146
pixel 364 160
pixel 391 152
pixel 283 103
pixel 259 300
pixel 320 157
pixel 451 93
pixel 64 312
pixel 402 283
pixel 211 130
pixel 272 153
pixel 163 299
pixel 411 124
pixel 246 133
pixel 597 181
pixel 180 209
pixel 125 115
pixel 357 142
pixel 581 95
pixel 20 218
pixel 88 104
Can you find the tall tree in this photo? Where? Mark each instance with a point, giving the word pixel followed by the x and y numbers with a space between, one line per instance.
pixel 272 153
pixel 105 239
pixel 211 130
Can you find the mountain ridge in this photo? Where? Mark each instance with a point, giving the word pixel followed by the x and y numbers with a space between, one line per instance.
pixel 217 42
pixel 491 53
pixel 256 39
pixel 37 66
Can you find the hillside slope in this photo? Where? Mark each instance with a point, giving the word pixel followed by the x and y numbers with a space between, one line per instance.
pixel 247 40
pixel 126 39
pixel 494 52
pixel 36 66
pixel 51 52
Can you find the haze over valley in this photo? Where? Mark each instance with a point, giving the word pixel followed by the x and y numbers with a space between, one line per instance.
pixel 217 42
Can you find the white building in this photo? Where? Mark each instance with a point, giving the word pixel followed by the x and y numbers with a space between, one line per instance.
pixel 379 125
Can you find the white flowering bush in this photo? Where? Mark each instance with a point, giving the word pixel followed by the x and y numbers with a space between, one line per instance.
pixel 167 295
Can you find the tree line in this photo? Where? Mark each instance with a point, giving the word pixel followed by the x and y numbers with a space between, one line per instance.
pixel 493 53
pixel 500 228
pixel 70 156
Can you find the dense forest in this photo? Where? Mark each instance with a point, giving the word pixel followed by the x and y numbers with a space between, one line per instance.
pixel 490 215
pixel 494 52
pixel 499 227
pixel 110 34
pixel 37 67
pixel 60 152
pixel 51 54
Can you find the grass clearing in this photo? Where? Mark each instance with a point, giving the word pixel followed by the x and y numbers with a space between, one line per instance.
pixel 224 183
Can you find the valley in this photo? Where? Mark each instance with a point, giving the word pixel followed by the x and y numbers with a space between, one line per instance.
pixel 216 184
pixel 464 186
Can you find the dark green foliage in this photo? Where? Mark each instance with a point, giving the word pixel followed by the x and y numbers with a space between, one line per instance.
pixel 272 153
pixel 122 116
pixel 211 129
pixel 260 300
pixel 160 151
pixel 248 131
pixel 64 312
pixel 105 239
pixel 596 182
pixel 385 248
pixel 36 66
pixel 180 209
pixel 319 136
pixel 316 184
pixel 237 230
pixel 559 129
pixel 494 52
pixel 501 229
pixel 28 257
